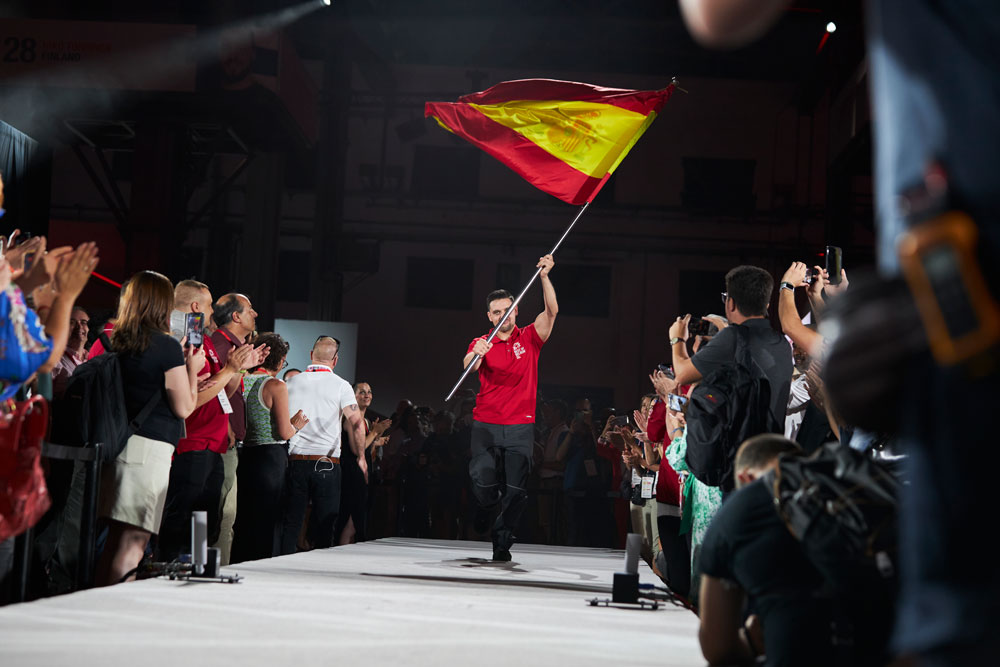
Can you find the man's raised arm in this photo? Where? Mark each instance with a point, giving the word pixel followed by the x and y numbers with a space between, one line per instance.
pixel 547 318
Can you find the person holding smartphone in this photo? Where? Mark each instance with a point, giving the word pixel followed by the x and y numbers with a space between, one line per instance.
pixel 134 486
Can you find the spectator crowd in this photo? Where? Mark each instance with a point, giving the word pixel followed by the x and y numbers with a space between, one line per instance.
pixel 284 460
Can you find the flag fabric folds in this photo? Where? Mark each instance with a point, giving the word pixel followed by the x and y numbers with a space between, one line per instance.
pixel 564 138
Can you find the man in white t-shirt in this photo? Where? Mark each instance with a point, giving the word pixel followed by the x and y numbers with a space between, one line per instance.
pixel 314 471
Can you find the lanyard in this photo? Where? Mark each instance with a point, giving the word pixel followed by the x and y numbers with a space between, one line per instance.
pixel 318 368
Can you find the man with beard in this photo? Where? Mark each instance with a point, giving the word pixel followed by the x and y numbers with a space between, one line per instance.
pixel 504 417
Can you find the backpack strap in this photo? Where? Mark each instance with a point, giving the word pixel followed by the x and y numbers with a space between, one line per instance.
pixel 137 421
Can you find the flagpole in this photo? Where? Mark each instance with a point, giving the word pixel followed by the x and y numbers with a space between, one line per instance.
pixel 520 296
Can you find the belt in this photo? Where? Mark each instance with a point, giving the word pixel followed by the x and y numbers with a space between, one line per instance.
pixel 313 457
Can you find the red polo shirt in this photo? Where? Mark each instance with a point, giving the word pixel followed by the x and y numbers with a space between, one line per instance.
pixel 225 342
pixel 508 378
pixel 207 427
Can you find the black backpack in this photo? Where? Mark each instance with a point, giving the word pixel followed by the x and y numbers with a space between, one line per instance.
pixel 92 409
pixel 728 406
pixel 843 509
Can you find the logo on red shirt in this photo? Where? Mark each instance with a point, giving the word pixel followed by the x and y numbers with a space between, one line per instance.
pixel 519 350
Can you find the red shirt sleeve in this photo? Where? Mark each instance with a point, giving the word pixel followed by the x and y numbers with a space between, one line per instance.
pixel 656 429
pixel 535 338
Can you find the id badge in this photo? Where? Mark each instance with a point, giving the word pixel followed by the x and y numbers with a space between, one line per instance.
pixel 647 486
pixel 636 478
pixel 591 467
pixel 227 407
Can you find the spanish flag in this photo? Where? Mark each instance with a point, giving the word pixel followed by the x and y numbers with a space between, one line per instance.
pixel 564 138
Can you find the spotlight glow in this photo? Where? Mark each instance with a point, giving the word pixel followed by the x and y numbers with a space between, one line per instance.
pixel 326 2
pixel 830 27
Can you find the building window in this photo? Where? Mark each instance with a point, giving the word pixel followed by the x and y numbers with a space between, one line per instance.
pixel 434 282
pixel 583 289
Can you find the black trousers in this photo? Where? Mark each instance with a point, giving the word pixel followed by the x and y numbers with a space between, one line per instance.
pixel 353 498
pixel 499 468
pixel 259 492
pixel 195 485
pixel 676 554
pixel 318 481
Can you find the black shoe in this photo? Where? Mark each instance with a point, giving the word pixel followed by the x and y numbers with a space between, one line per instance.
pixel 481 522
pixel 501 555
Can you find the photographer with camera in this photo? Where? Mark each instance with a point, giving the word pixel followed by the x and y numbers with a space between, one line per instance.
pixel 746 299
pixel 748 362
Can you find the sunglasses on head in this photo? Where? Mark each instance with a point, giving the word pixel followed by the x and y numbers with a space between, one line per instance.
pixel 333 338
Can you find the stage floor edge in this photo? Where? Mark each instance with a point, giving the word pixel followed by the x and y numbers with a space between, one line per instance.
pixel 392 601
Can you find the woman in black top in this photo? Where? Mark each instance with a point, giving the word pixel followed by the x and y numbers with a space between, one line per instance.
pixel 134 486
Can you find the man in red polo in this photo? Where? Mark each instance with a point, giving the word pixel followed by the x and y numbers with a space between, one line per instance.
pixel 504 416
pixel 197 472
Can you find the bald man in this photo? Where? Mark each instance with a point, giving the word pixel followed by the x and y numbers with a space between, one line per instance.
pixel 314 471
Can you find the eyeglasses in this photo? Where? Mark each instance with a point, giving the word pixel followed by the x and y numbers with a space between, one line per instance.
pixel 82 323
pixel 284 364
pixel 725 299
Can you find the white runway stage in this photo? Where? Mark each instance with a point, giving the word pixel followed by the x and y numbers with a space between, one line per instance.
pixel 388 602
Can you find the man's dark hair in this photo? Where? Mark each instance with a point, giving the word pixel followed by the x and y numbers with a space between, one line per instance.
pixel 758 451
pixel 498 294
pixel 750 289
pixel 222 311
pixel 279 350
pixel 560 407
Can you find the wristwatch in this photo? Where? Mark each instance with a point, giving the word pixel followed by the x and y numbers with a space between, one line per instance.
pixel 676 339
pixel 786 285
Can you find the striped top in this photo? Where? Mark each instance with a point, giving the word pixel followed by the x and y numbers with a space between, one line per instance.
pixel 261 430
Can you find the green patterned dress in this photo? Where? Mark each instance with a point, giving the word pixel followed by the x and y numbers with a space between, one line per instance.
pixel 700 503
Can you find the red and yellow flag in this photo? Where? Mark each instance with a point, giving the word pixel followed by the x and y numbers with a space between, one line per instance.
pixel 564 138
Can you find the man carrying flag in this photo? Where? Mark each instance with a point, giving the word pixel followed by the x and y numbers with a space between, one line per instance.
pixel 566 139
pixel 504 416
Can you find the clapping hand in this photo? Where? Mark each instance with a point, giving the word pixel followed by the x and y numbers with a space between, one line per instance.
pixel 641 420
pixel 663 384
pixel 74 270
pixel 256 357
pixel 380 426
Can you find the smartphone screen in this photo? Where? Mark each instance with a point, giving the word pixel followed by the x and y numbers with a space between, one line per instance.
pixel 676 402
pixel 195 329
pixel 29 260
